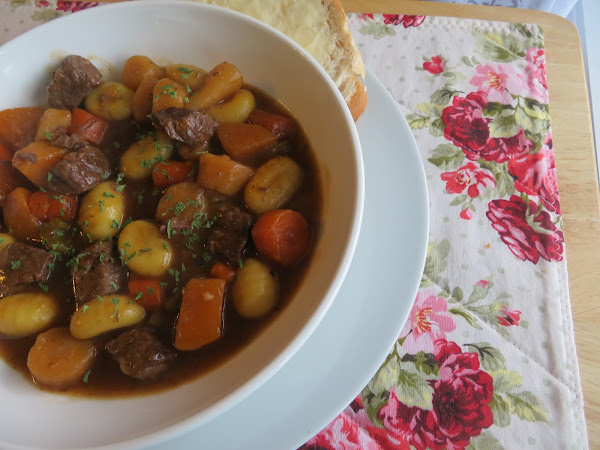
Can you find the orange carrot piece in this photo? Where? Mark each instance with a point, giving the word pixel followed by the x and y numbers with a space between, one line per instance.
pixel 18 127
pixel 36 160
pixel 200 320
pixel 85 124
pixel 5 154
pixel 244 140
pixel 277 124
pixel 282 235
pixel 18 217
pixel 223 271
pixel 10 179
pixel 168 173
pixel 50 205
pixel 147 292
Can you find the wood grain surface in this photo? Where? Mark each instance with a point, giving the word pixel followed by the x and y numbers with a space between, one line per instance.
pixel 575 165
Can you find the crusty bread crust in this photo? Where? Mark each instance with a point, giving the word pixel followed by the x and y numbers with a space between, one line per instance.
pixel 321 28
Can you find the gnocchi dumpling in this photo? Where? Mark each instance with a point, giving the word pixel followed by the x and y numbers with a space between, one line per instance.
pixel 102 211
pixel 144 250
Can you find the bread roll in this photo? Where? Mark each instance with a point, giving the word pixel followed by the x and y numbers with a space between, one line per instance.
pixel 320 27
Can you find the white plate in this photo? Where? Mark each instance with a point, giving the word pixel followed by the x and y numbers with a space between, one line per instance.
pixel 354 337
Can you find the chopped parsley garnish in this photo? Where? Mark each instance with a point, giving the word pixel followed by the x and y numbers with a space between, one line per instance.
pixel 166 90
pixel 145 250
pixel 169 229
pixel 185 70
pixel 101 205
pixel 43 287
pixel 138 295
pixel 87 375
pixel 84 309
pixel 240 263
pixel 140 198
pixel 108 194
pixel 150 290
pixel 116 145
pixel 119 90
pixel 115 224
pixel 15 264
pixel 49 176
pixel 114 301
pixel 120 187
pixel 114 285
pixel 48 136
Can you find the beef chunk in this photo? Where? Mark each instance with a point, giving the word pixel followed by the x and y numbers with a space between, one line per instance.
pixel 140 354
pixel 22 267
pixel 72 142
pixel 230 232
pixel 79 171
pixel 191 127
pixel 72 81
pixel 97 271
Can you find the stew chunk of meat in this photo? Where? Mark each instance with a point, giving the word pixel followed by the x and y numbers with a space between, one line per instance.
pixel 72 81
pixel 191 127
pixel 230 232
pixel 23 266
pixel 97 271
pixel 140 354
pixel 79 171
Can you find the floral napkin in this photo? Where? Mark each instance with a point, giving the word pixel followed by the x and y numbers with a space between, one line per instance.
pixel 487 358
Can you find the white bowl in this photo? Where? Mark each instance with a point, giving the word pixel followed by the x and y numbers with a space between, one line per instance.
pixel 204 36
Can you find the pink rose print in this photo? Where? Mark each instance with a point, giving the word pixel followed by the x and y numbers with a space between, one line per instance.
pixel 42 4
pixel 471 177
pixel 527 229
pixel 508 318
pixel 482 283
pixel 535 74
pixel 460 406
pixel 435 66
pixel 535 174
pixel 465 124
pixel 429 320
pixel 406 20
pixel 502 149
pixel 498 81
pixel 342 433
pixel 74 6
pixel 466 214
pixel 365 16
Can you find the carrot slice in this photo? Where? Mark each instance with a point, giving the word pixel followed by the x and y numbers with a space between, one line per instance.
pixel 147 292
pixel 277 124
pixel 244 140
pixel 85 124
pixel 282 235
pixel 223 271
pixel 168 173
pixel 5 154
pixel 51 205
pixel 200 320
pixel 18 126
pixel 18 217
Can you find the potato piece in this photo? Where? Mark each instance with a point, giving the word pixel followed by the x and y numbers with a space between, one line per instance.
pixel 141 105
pixel 236 109
pixel 254 290
pixel 18 127
pixel 220 173
pixel 36 160
pixel 185 201
pixel 222 82
pixel 18 217
pixel 200 320
pixel 272 185
pixel 102 211
pixel 168 94
pixel 187 75
pixel 138 160
pixel 52 120
pixel 27 313
pixel 110 101
pixel 144 250
pixel 5 239
pixel 58 360
pixel 139 67
pixel 103 314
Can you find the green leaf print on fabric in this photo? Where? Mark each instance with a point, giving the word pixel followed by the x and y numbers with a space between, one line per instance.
pixel 446 157
pixel 489 357
pixel 376 29
pixel 527 407
pixel 435 263
pixel 17 3
pixel 499 47
pixel 485 441
pixel 44 15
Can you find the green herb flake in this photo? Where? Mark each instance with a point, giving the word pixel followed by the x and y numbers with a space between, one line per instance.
pixel 43 287
pixel 114 301
pixel 240 263
pixel 163 284
pixel 145 250
pixel 120 187
pixel 115 224
pixel 169 229
pixel 114 285
pixel 116 145
pixel 101 205
pixel 140 198
pixel 49 176
pixel 86 376
pixel 185 70
pixel 15 264
pixel 48 136
pixel 108 194
pixel 150 290
pixel 84 309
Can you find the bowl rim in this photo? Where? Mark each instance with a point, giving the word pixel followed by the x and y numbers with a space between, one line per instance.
pixel 263 374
